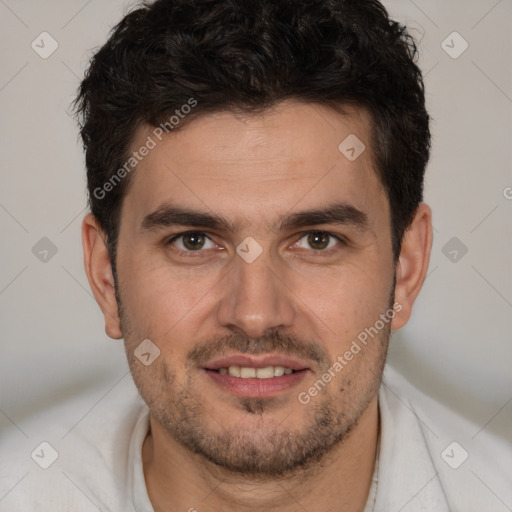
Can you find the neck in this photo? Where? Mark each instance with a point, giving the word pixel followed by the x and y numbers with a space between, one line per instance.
pixel 340 481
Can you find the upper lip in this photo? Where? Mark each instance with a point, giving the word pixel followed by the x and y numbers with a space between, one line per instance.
pixel 260 361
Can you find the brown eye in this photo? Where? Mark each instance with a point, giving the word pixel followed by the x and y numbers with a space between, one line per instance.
pixel 318 241
pixel 192 241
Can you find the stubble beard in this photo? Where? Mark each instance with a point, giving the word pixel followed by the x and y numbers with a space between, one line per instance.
pixel 260 451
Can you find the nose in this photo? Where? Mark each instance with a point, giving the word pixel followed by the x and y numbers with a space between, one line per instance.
pixel 256 299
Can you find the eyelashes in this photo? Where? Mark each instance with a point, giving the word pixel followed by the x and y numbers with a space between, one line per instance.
pixel 192 243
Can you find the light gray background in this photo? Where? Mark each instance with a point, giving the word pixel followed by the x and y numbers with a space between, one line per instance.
pixel 56 361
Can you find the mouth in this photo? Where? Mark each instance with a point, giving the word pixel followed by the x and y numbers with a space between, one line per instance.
pixel 246 372
pixel 256 377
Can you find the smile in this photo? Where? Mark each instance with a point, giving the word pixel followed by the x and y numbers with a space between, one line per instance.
pixel 245 372
pixel 257 376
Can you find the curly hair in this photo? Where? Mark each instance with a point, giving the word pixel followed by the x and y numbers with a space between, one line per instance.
pixel 248 55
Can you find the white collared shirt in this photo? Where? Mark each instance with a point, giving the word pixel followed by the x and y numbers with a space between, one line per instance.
pixel 429 459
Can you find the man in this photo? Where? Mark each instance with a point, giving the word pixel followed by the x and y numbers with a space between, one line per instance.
pixel 255 172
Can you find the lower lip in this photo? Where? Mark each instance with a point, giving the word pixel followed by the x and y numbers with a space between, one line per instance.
pixel 257 388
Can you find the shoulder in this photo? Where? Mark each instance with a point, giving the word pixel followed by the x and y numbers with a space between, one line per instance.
pixel 472 465
pixel 84 465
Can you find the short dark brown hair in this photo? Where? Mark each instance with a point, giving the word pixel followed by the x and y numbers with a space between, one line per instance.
pixel 248 55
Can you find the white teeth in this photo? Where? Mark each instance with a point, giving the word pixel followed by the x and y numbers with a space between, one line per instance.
pixel 245 372
pixel 265 373
pixel 278 371
pixel 234 371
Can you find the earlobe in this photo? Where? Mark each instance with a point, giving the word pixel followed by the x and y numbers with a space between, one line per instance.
pixel 99 273
pixel 413 263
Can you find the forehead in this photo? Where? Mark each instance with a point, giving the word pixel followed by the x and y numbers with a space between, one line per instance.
pixel 294 155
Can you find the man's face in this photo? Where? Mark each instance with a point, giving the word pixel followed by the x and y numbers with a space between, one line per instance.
pixel 300 267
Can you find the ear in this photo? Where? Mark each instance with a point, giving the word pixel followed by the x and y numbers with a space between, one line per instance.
pixel 412 264
pixel 99 273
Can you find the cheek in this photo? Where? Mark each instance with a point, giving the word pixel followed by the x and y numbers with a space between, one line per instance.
pixel 345 300
pixel 161 299
pixel 165 302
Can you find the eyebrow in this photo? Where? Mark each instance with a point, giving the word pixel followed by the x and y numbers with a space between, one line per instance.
pixel 336 213
pixel 169 215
